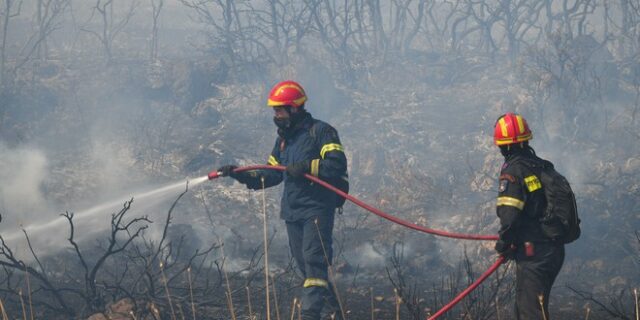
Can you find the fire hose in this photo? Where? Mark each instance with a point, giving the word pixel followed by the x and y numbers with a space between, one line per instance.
pixel 214 174
pixel 468 290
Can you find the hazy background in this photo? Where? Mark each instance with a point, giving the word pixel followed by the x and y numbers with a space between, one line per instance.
pixel 101 102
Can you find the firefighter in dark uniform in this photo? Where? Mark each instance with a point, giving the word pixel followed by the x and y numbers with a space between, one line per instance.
pixel 521 203
pixel 304 145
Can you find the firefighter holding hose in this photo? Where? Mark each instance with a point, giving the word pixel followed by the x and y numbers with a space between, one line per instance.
pixel 305 146
pixel 521 204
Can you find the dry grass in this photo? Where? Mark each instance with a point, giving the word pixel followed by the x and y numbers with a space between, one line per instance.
pixel 4 312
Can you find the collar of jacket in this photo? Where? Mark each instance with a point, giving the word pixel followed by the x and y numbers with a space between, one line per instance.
pixel 520 153
pixel 529 158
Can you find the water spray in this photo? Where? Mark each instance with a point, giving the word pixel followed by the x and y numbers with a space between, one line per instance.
pixel 34 229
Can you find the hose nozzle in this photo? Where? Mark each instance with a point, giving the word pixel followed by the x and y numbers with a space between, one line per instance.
pixel 213 174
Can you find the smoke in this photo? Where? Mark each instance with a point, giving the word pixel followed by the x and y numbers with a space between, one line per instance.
pixel 115 169
pixel 22 172
pixel 366 256
pixel 87 165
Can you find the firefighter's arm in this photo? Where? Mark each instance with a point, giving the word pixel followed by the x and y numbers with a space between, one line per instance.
pixel 510 203
pixel 253 178
pixel 332 162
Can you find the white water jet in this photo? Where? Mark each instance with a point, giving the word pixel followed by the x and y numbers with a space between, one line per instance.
pixel 45 233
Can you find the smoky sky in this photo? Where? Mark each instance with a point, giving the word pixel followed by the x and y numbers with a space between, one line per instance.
pixel 416 127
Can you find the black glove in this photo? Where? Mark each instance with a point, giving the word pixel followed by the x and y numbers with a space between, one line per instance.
pixel 505 249
pixel 227 170
pixel 298 169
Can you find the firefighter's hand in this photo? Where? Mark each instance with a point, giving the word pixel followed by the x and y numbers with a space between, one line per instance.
pixel 298 169
pixel 507 250
pixel 227 170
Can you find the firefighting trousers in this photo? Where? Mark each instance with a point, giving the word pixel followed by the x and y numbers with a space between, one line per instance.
pixel 310 241
pixel 534 278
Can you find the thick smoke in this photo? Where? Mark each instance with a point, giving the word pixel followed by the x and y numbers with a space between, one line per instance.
pixel 22 172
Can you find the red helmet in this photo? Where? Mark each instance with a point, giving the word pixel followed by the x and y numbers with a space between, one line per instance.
pixel 511 128
pixel 287 93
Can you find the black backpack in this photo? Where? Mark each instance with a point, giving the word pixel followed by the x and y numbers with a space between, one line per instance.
pixel 560 220
pixel 341 183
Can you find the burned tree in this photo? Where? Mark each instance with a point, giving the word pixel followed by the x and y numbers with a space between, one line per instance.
pixel 10 10
pixel 133 229
pixel 109 24
pixel 156 6
pixel 48 12
pixel 10 264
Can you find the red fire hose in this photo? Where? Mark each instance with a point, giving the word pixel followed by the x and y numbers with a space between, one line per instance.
pixel 214 174
pixel 468 290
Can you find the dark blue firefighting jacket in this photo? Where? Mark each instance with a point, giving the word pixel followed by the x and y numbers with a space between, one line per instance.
pixel 521 201
pixel 310 140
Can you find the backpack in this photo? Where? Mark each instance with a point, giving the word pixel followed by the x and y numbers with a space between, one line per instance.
pixel 560 220
pixel 341 183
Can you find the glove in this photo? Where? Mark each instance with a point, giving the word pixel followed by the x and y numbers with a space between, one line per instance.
pixel 505 249
pixel 227 170
pixel 298 169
